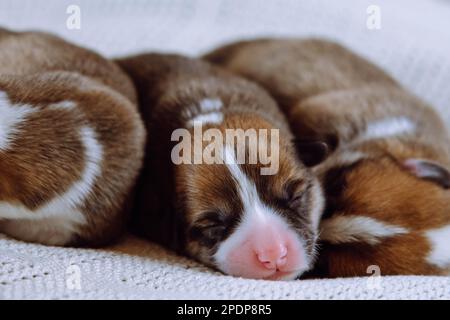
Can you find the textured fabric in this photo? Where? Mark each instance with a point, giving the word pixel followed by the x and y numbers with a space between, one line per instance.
pixel 412 44
pixel 135 269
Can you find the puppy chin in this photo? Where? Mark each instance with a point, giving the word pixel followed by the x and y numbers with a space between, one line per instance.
pixel 265 274
pixel 286 276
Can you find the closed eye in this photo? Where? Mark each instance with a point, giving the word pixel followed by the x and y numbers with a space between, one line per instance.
pixel 294 192
pixel 209 228
pixel 209 219
pixel 214 232
pixel 296 201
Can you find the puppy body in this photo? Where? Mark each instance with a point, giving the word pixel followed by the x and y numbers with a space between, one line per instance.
pixel 71 141
pixel 226 214
pixel 386 180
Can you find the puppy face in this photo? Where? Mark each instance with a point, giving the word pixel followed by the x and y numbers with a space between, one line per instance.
pixel 245 223
pixel 387 213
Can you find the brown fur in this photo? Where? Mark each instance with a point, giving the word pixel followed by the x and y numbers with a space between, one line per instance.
pixel 46 158
pixel 172 200
pixel 329 93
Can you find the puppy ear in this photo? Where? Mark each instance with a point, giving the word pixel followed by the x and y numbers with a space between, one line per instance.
pixel 312 152
pixel 429 170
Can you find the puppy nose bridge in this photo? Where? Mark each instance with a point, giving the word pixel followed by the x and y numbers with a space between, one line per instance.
pixel 266 248
pixel 274 256
pixel 271 247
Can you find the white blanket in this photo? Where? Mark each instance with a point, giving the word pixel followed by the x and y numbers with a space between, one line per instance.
pixel 413 44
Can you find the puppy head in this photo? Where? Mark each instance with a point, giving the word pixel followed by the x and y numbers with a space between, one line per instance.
pixel 383 186
pixel 377 205
pixel 246 223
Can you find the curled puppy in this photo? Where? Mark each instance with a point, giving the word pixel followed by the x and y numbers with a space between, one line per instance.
pixel 222 182
pixel 386 180
pixel 71 141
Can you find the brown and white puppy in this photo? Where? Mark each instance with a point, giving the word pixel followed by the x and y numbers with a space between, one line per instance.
pixel 228 213
pixel 71 141
pixel 387 179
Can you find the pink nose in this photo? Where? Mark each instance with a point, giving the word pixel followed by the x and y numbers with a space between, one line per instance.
pixel 269 249
pixel 273 258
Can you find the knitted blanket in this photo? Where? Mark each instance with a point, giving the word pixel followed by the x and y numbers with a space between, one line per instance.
pixel 410 41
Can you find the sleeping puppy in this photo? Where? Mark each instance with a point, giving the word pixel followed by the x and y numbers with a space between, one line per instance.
pixel 71 141
pixel 222 182
pixel 387 177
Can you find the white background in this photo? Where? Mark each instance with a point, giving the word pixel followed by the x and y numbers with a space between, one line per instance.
pixel 413 43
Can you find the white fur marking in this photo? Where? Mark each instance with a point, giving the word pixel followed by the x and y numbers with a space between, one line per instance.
pixel 317 205
pixel 440 241
pixel 208 118
pixel 389 127
pixel 11 117
pixel 255 211
pixel 55 231
pixel 93 156
pixel 65 206
pixel 351 228
pixel 209 113
pixel 342 158
pixel 63 105
pixel 253 208
pixel 209 105
pixel 246 188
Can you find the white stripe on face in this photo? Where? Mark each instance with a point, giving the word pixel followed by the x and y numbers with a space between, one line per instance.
pixel 440 242
pixel 352 228
pixel 247 189
pixel 11 118
pixel 255 213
